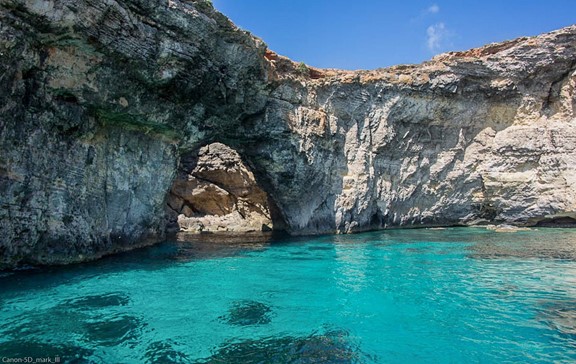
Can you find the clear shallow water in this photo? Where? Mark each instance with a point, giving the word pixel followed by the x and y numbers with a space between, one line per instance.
pixel 406 296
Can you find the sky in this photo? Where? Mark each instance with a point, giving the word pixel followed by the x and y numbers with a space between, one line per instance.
pixel 368 34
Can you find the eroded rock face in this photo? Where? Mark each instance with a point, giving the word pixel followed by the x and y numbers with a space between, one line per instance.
pixel 218 194
pixel 472 137
pixel 97 101
pixel 101 102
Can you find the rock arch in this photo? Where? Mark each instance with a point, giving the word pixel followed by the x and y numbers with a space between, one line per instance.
pixel 215 191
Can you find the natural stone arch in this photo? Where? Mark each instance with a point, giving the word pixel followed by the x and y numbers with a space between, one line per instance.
pixel 215 191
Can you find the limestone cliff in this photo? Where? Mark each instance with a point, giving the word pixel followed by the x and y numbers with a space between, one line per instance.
pixel 99 99
pixel 101 102
pixel 486 135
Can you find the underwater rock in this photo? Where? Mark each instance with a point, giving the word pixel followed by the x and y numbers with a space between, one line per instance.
pixel 163 352
pixel 87 319
pixel 112 330
pixel 331 347
pixel 529 246
pixel 95 302
pixel 245 313
pixel 505 228
pixel 560 316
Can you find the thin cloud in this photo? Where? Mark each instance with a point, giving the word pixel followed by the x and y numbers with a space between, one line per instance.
pixel 424 13
pixel 437 37
pixel 433 9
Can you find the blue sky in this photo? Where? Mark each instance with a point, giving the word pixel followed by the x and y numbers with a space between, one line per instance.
pixel 367 34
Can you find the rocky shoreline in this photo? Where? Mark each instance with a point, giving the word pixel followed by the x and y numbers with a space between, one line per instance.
pixel 103 103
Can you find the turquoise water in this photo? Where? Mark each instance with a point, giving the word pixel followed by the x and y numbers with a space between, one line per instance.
pixel 411 296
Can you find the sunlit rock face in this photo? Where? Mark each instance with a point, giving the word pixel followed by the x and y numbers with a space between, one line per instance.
pixel 216 192
pixel 486 135
pixel 103 102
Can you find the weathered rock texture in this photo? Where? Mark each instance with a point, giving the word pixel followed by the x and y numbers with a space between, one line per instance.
pixel 214 191
pixel 484 135
pixel 101 99
pixel 98 100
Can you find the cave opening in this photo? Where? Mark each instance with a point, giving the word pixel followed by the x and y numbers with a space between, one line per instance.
pixel 215 191
pixel 558 222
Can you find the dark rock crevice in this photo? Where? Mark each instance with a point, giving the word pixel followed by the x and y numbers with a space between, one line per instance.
pixel 558 222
